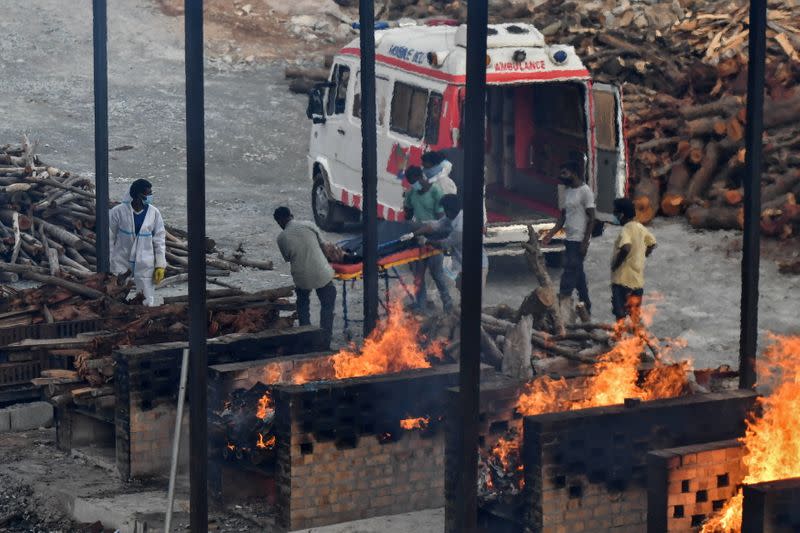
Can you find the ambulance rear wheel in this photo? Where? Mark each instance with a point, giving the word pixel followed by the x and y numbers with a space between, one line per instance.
pixel 324 208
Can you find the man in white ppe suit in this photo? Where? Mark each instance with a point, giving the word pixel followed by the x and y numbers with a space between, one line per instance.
pixel 137 237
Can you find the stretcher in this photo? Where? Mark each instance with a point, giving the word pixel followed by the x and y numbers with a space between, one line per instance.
pixel 387 269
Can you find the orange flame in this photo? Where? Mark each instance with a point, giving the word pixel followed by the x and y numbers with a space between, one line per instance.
pixel 616 374
pixel 393 346
pixel 269 443
pixel 415 423
pixel 772 451
pixel 506 449
pixel 265 406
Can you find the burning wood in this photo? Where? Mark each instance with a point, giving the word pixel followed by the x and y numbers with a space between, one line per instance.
pixel 415 423
pixel 771 450
pixel 395 345
pixel 244 424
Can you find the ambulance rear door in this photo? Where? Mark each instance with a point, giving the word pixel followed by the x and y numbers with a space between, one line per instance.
pixel 611 157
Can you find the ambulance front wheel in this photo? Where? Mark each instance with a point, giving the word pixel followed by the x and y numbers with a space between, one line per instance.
pixel 324 208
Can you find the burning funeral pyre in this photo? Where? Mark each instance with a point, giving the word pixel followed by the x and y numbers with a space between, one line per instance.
pixel 772 451
pixel 395 345
pixel 618 375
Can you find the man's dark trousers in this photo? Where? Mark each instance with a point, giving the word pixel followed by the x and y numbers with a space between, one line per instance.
pixel 327 300
pixel 573 276
pixel 624 300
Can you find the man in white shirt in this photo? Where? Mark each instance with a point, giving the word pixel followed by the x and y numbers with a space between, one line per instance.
pixel 301 245
pixel 577 219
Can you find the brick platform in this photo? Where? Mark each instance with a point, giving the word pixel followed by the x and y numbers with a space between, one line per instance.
pixel 586 470
pixel 688 484
pixel 341 454
pixel 772 507
pixel 497 415
pixel 146 388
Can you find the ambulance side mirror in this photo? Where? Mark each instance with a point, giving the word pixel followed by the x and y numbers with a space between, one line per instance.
pixel 316 108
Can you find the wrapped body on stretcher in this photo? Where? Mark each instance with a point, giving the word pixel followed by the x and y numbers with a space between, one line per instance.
pixel 346 259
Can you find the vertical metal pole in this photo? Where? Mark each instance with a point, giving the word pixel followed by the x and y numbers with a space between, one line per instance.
pixel 369 166
pixel 474 143
pixel 751 251
pixel 196 216
pixel 100 40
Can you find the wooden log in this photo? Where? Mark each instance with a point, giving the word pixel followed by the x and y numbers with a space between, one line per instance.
pixel 703 127
pixel 47 344
pixel 538 303
pixel 535 259
pixel 647 199
pixel 54 183
pixel 655 144
pixel 547 344
pixel 491 354
pixel 673 201
pixel 517 350
pixel 733 196
pixel 252 263
pixel 315 74
pixel 27 272
pixel 734 130
pixel 714 217
pixel 725 106
pixel 702 178
pixel 696 151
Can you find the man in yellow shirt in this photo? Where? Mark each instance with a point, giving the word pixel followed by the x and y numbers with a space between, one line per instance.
pixel 632 246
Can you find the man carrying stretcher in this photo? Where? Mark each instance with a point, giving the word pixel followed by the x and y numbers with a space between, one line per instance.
pixel 449 231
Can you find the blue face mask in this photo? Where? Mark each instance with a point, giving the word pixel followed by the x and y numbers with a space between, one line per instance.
pixel 148 199
pixel 434 170
pixel 417 186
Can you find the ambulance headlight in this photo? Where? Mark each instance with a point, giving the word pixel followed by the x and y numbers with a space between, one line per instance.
pixel 560 57
pixel 519 56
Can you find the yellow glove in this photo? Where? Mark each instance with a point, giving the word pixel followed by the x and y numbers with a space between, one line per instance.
pixel 158 275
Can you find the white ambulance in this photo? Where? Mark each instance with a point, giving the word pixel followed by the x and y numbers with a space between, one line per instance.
pixel 542 110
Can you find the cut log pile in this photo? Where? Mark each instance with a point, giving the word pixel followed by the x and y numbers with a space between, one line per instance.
pixel 683 68
pixel 47 223
pixel 86 357
pixel 540 337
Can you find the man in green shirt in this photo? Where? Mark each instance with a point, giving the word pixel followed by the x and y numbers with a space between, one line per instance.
pixel 422 204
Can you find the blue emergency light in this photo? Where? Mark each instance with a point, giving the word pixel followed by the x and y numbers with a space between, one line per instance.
pixel 379 25
pixel 560 56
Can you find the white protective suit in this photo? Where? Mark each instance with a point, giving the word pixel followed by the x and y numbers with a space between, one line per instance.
pixel 141 254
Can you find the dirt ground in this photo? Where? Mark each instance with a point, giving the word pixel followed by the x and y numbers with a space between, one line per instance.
pixel 256 140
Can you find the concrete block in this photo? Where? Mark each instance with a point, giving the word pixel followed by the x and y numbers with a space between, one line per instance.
pixel 5 420
pixel 30 416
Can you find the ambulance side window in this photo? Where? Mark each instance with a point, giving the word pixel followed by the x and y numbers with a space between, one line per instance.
pixel 337 95
pixel 432 120
pixel 380 97
pixel 409 108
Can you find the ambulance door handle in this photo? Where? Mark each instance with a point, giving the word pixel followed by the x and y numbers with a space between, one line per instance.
pixel 341 131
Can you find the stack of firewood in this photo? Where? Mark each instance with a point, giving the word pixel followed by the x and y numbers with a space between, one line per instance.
pixel 102 297
pixel 545 333
pixel 47 224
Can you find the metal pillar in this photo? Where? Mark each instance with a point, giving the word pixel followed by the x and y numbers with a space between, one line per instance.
pixel 748 342
pixel 196 216
pixel 473 144
pixel 100 40
pixel 369 166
